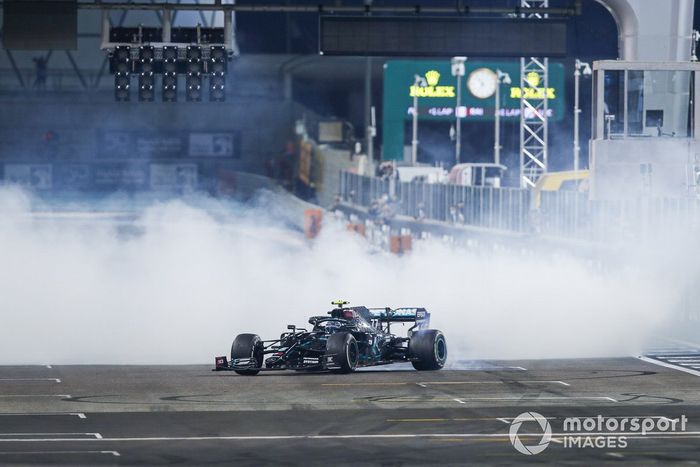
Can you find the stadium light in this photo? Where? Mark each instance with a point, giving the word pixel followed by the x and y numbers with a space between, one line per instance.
pixel 418 81
pixel 585 69
pixel 458 70
pixel 501 78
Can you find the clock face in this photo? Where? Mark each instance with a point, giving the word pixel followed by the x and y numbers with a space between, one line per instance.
pixel 482 83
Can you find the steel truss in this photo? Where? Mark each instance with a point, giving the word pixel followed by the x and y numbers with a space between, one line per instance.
pixel 533 109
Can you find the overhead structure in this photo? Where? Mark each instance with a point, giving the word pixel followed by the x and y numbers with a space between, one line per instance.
pixel 534 109
pixel 260 6
pixel 653 30
pixel 646 140
pixel 194 52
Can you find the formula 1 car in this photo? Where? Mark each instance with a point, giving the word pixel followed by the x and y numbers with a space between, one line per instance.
pixel 350 338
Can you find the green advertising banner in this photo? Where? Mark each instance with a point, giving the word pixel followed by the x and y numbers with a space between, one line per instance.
pixel 437 97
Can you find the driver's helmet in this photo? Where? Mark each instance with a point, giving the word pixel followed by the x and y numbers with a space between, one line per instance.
pixel 349 314
pixel 337 313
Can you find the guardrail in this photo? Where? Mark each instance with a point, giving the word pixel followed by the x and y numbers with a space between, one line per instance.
pixel 562 214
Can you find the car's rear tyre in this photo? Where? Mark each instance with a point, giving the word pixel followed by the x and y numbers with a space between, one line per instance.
pixel 427 350
pixel 343 347
pixel 248 346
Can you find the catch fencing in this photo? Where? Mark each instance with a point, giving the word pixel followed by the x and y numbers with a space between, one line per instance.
pixel 562 214
pixel 490 208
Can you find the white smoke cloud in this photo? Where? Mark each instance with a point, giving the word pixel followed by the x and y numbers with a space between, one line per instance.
pixel 184 279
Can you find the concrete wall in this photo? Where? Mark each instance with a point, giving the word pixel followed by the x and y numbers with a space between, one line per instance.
pixel 649 167
pixel 333 161
pixel 77 120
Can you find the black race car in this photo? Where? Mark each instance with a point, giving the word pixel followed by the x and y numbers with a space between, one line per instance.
pixel 349 338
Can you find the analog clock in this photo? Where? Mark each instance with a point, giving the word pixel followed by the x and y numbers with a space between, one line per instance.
pixel 482 83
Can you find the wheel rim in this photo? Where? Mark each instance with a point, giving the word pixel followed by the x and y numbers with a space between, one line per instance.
pixel 440 349
pixel 352 355
pixel 257 354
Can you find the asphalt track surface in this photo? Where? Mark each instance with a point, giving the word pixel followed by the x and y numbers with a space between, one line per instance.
pixel 189 415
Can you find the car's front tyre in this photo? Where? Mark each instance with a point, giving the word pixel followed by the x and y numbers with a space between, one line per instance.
pixel 248 346
pixel 342 347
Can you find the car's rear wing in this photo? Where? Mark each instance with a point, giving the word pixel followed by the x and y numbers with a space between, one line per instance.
pixel 420 316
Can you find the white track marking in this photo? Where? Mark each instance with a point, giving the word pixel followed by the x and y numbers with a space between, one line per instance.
pixel 44 414
pixel 95 435
pixel 507 420
pixel 438 383
pixel 456 419
pixel 5 380
pixel 517 368
pixel 459 400
pixel 34 453
pixel 425 384
pixel 504 420
pixel 669 365
pixel 670 434
pixel 400 399
pixel 63 396
pixel 366 384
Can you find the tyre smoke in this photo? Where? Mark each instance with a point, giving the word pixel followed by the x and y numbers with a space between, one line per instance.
pixel 178 282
